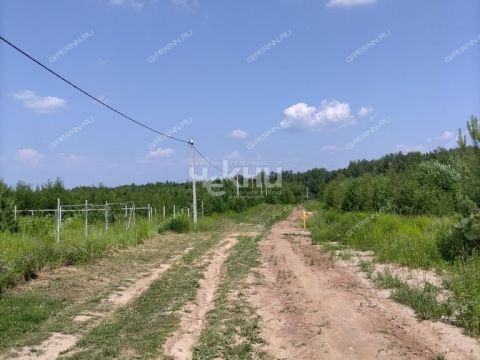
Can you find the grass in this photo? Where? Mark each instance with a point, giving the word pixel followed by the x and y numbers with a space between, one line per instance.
pixel 233 330
pixel 20 315
pixel 367 267
pixel 386 280
pixel 411 241
pixel 23 254
pixel 423 300
pixel 140 330
pixel 406 240
pixel 464 283
pixel 78 289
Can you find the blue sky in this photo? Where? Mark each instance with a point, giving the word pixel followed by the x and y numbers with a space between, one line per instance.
pixel 298 83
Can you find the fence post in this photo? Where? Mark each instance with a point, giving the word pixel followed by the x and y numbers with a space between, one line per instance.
pixel 59 218
pixel 134 219
pixel 174 214
pixel 106 215
pixel 15 213
pixel 126 216
pixel 188 213
pixel 149 212
pixel 164 212
pixel 203 214
pixel 86 218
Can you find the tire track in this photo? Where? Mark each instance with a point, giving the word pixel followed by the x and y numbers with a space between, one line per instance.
pixel 313 308
pixel 180 344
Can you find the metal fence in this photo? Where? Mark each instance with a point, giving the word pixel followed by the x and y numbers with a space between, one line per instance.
pixel 128 209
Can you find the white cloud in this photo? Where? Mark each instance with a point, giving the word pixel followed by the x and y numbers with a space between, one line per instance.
pixel 239 134
pixel 410 148
pixel 39 104
pixel 365 111
pixel 134 4
pixel 304 116
pixel 189 5
pixel 349 3
pixel 30 157
pixel 329 148
pixel 160 153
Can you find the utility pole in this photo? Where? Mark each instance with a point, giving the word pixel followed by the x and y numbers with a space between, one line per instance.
pixel 86 218
pixel 261 184
pixel 238 188
pixel 194 185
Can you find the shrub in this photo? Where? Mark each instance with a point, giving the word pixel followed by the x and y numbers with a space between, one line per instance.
pixel 465 286
pixel 7 217
pixel 462 239
pixel 179 224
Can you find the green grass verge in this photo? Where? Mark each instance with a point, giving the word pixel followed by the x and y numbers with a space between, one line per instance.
pixel 23 254
pixel 21 315
pixel 406 240
pixel 233 330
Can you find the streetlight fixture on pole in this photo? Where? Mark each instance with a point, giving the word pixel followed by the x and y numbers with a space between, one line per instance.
pixel 194 185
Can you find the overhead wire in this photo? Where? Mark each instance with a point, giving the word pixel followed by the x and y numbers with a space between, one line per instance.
pixel 90 95
pixel 206 159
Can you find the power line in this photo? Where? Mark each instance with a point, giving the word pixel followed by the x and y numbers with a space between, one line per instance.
pixel 88 94
pixel 104 104
pixel 206 159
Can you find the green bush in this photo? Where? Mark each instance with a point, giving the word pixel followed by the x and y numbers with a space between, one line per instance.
pixel 41 227
pixel 179 224
pixel 462 239
pixel 7 216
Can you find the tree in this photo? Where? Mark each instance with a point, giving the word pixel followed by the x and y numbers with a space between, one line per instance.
pixel 474 130
pixel 7 216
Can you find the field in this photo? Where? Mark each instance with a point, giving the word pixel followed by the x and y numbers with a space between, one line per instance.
pixel 235 287
pixel 412 242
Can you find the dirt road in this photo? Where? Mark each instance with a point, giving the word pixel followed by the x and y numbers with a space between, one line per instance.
pixel 313 308
pixel 207 297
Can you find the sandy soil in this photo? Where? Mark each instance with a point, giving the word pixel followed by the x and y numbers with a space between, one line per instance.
pixel 180 345
pixel 313 308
